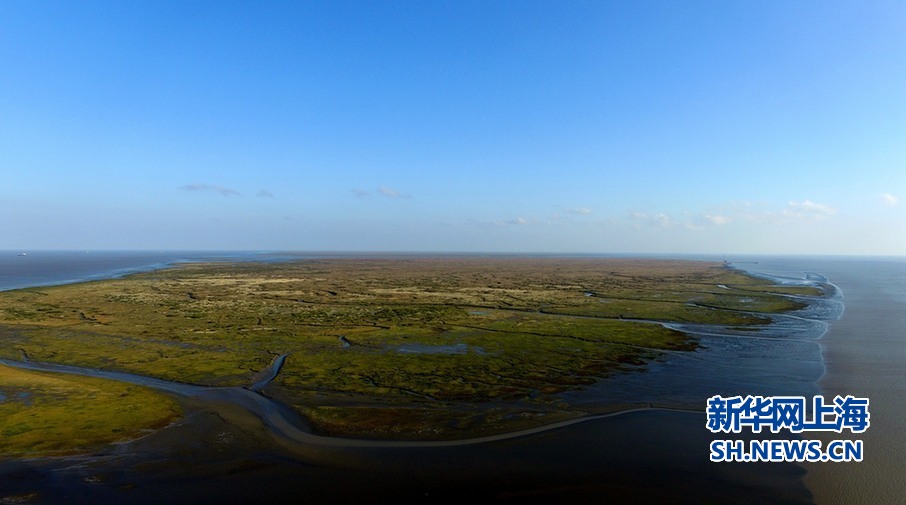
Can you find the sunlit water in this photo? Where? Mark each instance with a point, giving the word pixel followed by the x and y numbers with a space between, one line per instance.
pixel 44 268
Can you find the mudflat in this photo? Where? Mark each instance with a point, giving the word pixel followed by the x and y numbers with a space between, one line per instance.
pixel 411 348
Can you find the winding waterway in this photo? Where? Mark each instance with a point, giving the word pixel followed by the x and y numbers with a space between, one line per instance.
pixel 285 425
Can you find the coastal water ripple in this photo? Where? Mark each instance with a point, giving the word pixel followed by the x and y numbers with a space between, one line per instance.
pixel 781 358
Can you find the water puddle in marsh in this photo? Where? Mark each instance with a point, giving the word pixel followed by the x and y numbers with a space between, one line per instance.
pixel 437 349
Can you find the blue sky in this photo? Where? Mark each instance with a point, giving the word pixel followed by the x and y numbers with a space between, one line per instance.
pixel 513 126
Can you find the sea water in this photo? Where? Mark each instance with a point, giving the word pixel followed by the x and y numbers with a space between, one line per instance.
pixel 44 268
pixel 864 354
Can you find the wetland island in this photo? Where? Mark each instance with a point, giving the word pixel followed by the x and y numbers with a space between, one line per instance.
pixel 207 363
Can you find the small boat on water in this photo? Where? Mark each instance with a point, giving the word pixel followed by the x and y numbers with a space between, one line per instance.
pixel 23 254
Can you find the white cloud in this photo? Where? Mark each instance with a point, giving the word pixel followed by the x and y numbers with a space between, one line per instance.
pixel 717 219
pixel 663 219
pixel 659 219
pixel 392 193
pixel 201 187
pixel 808 209
pixel 581 211
pixel 519 221
pixel 889 199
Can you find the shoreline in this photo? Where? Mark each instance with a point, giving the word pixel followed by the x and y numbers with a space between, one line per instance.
pixel 864 353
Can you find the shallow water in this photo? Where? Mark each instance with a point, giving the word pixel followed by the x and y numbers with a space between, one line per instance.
pixel 864 354
pixel 45 268
pixel 783 358
pixel 437 349
pixel 229 459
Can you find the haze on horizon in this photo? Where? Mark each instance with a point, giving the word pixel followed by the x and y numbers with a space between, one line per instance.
pixel 590 127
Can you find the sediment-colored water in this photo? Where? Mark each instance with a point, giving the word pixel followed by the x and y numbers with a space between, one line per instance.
pixel 864 354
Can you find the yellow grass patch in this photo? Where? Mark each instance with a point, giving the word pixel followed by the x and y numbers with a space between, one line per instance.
pixel 47 414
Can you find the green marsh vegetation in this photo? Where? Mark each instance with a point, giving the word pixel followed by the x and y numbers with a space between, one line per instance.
pixel 46 414
pixel 396 347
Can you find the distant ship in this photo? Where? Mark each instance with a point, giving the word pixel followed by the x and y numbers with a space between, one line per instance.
pixel 23 254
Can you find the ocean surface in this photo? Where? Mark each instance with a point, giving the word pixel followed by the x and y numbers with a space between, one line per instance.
pixel 863 354
pixel 853 341
pixel 45 268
